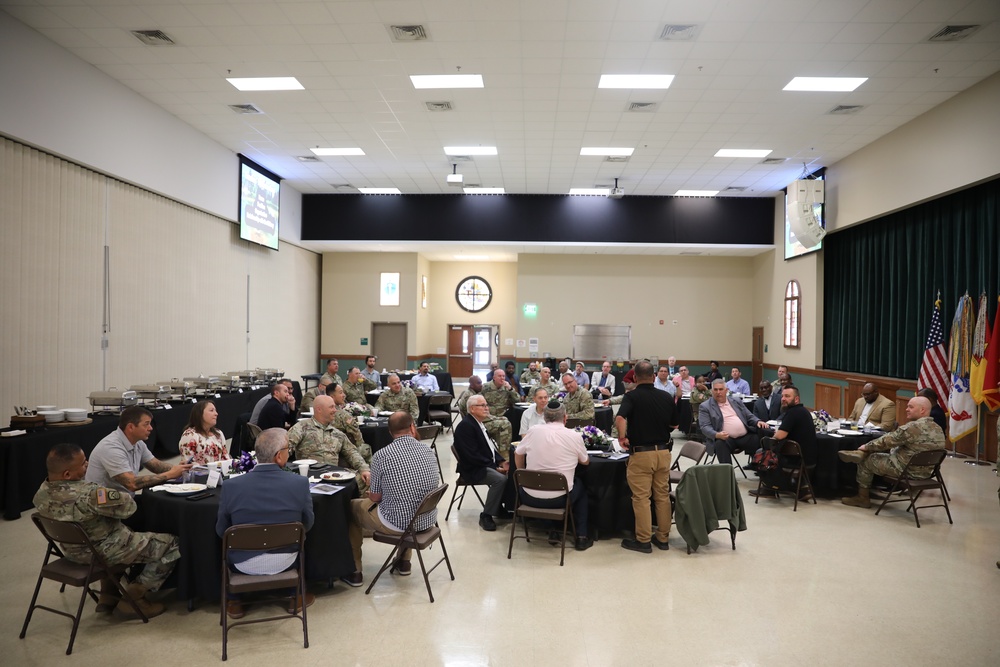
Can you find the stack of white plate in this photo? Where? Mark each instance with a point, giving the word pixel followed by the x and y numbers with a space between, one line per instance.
pixel 75 414
pixel 44 408
pixel 52 416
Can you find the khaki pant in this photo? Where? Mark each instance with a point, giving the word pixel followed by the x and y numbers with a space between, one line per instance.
pixel 648 474
pixel 363 519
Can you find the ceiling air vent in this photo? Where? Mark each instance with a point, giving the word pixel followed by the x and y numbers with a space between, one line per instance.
pixel 307 158
pixel 343 187
pixel 244 108
pixel 642 106
pixel 845 109
pixel 774 160
pixel 407 33
pixel 735 188
pixel 438 106
pixel 459 158
pixel 616 158
pixel 953 33
pixel 679 33
pixel 153 37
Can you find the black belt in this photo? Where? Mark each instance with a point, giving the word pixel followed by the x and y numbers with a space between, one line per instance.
pixel 650 448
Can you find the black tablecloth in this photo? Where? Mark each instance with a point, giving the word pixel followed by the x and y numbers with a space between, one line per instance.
pixel 22 459
pixel 197 575
pixel 609 499
pixel 423 402
pixel 376 433
pixel 832 477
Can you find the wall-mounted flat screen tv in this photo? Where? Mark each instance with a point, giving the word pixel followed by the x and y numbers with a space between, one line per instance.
pixel 259 195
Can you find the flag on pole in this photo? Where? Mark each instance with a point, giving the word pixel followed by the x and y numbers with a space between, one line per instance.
pixel 964 417
pixel 991 374
pixel 980 337
pixel 934 368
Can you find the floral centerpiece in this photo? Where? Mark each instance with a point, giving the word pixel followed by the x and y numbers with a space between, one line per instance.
pixel 594 438
pixel 358 410
pixel 820 419
pixel 245 463
pixel 560 396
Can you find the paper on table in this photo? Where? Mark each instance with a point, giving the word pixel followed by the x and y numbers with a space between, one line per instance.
pixel 844 431
pixel 325 489
pixel 11 434
pixel 618 456
pixel 835 435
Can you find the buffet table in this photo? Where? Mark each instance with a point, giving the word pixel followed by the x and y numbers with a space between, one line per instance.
pixel 22 458
pixel 197 575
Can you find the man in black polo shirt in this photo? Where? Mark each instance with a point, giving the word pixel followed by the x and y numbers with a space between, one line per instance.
pixel 797 425
pixel 644 423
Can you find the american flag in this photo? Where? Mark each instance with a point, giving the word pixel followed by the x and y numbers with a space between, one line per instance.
pixel 934 368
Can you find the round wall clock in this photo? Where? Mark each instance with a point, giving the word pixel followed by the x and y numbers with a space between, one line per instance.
pixel 473 294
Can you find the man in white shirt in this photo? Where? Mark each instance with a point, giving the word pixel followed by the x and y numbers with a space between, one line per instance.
pixel 662 381
pixel 535 415
pixel 602 383
pixel 737 385
pixel 424 379
pixel 554 448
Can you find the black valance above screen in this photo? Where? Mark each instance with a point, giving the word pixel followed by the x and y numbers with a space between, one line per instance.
pixel 881 278
pixel 538 218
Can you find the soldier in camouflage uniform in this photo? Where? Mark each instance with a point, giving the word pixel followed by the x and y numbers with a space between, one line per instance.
pixel 66 496
pixel 331 374
pixel 317 438
pixel 579 403
pixel 530 377
pixel 889 454
pixel 499 395
pixel 397 398
pixel 310 396
pixel 347 424
pixel 498 428
pixel 699 395
pixel 356 386
pixel 545 381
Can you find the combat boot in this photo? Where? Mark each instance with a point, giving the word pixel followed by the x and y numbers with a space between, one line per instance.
pixel 109 597
pixel 861 500
pixel 851 455
pixel 137 591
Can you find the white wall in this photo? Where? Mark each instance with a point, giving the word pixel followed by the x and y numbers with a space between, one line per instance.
pixel 952 146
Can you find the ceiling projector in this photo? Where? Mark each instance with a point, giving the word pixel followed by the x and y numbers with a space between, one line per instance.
pixel 616 193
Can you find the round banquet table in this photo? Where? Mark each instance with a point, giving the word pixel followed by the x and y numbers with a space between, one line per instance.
pixel 833 477
pixel 197 575
pixel 375 431
pixel 423 401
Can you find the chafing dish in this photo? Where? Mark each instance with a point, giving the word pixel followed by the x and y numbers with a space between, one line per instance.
pixel 241 379
pixel 208 384
pixel 112 400
pixel 269 375
pixel 183 388
pixel 155 393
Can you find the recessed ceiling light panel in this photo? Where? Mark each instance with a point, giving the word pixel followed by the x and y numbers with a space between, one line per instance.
pixel 825 84
pixel 379 191
pixel 427 81
pixel 266 83
pixel 636 81
pixel 743 152
pixel 696 193
pixel 590 191
pixel 483 191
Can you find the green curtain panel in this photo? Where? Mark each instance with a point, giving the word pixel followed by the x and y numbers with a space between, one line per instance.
pixel 881 279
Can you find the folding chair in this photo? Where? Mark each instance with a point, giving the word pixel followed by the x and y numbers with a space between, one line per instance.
pixel 799 473
pixel 715 498
pixel 250 438
pixel 269 538
pixel 430 432
pixel 906 482
pixel 411 538
pixel 690 450
pixel 439 409
pixel 537 480
pixel 465 484
pixel 711 458
pixel 70 573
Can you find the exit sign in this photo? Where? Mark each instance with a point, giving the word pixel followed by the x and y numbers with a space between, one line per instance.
pixel 530 309
pixel 364 341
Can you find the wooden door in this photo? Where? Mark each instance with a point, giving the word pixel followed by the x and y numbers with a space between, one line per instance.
pixel 460 351
pixel 757 360
pixel 389 344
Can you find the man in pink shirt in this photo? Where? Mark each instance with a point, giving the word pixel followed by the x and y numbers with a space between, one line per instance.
pixel 728 424
pixel 554 448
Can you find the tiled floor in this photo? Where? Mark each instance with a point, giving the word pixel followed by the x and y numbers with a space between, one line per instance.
pixel 827 585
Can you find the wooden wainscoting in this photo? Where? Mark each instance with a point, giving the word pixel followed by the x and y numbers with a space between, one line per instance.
pixel 901 402
pixel 828 397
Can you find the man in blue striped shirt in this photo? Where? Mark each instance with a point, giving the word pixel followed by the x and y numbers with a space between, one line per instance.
pixel 402 473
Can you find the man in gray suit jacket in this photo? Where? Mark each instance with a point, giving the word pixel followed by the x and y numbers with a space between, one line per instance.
pixel 727 424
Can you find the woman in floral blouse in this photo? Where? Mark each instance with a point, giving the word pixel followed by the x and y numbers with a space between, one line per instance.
pixel 201 441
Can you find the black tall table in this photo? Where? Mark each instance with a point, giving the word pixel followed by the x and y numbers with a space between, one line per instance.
pixel 197 575
pixel 22 458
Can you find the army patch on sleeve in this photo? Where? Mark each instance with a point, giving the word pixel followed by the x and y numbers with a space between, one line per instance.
pixel 114 494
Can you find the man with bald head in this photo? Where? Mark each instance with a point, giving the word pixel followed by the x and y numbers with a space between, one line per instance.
pixel 397 398
pixel 319 439
pixel 546 382
pixel 873 408
pixel 889 454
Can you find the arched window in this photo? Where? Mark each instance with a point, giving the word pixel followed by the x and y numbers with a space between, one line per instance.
pixel 793 310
